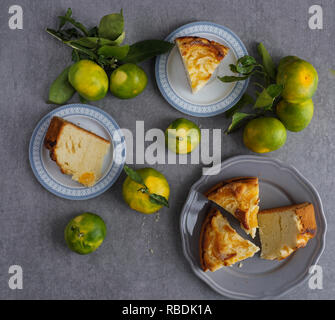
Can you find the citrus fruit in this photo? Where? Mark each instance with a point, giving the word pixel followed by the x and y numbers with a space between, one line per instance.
pixel 128 81
pixel 85 233
pixel 286 60
pixel 299 78
pixel 89 79
pixel 182 136
pixel 140 201
pixel 264 134
pixel 295 116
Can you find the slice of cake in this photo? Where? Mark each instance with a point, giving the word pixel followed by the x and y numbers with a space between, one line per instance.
pixel 284 230
pixel 240 197
pixel 77 152
pixel 220 244
pixel 200 57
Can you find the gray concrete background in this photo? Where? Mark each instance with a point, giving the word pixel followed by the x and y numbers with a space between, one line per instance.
pixel 32 220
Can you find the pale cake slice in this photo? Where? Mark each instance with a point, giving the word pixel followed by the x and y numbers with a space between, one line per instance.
pixel 200 58
pixel 284 230
pixel 240 197
pixel 220 245
pixel 78 152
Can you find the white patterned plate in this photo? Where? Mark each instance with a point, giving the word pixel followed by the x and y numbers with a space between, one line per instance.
pixel 48 173
pixel 216 97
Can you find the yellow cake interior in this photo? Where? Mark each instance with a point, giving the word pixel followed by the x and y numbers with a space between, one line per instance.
pixel 284 230
pixel 80 154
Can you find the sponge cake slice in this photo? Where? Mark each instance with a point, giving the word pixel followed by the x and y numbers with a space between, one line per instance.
pixel 286 229
pixel 78 152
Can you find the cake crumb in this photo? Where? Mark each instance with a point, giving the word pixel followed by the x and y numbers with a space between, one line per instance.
pixel 157 217
pixel 151 251
pixel 240 265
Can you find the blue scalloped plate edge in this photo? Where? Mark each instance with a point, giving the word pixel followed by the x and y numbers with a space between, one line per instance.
pixel 176 106
pixel 30 150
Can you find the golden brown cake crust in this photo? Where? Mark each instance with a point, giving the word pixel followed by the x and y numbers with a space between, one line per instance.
pixel 203 240
pixel 51 137
pixel 218 49
pixel 236 187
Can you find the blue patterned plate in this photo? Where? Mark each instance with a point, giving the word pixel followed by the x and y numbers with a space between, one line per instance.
pixel 47 172
pixel 216 97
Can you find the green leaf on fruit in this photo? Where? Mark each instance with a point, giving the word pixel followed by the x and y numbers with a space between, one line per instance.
pixel 133 175
pixel 238 120
pixel 267 96
pixel 158 199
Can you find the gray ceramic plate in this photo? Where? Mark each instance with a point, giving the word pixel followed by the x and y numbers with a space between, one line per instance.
pixel 280 184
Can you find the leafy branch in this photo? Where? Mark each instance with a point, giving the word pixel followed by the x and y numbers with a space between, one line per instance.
pixel 247 67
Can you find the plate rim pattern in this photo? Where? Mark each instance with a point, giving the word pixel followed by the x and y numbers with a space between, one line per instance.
pixel 179 103
pixel 80 193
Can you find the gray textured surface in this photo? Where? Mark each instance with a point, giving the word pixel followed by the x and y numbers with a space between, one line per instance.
pixel 32 220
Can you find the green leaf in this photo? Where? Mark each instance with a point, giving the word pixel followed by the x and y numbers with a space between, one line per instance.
pixel 114 52
pixel 159 200
pixel 82 49
pixel 247 61
pixel 82 99
pixel 267 96
pixel 233 68
pixel 245 100
pixel 75 55
pixel 268 64
pixel 78 25
pixel 55 34
pixel 93 42
pixel 93 32
pixel 62 20
pixel 64 35
pixel 246 65
pixel 133 175
pixel 61 90
pixel 111 26
pixel 239 118
pixel 228 79
pixel 146 49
